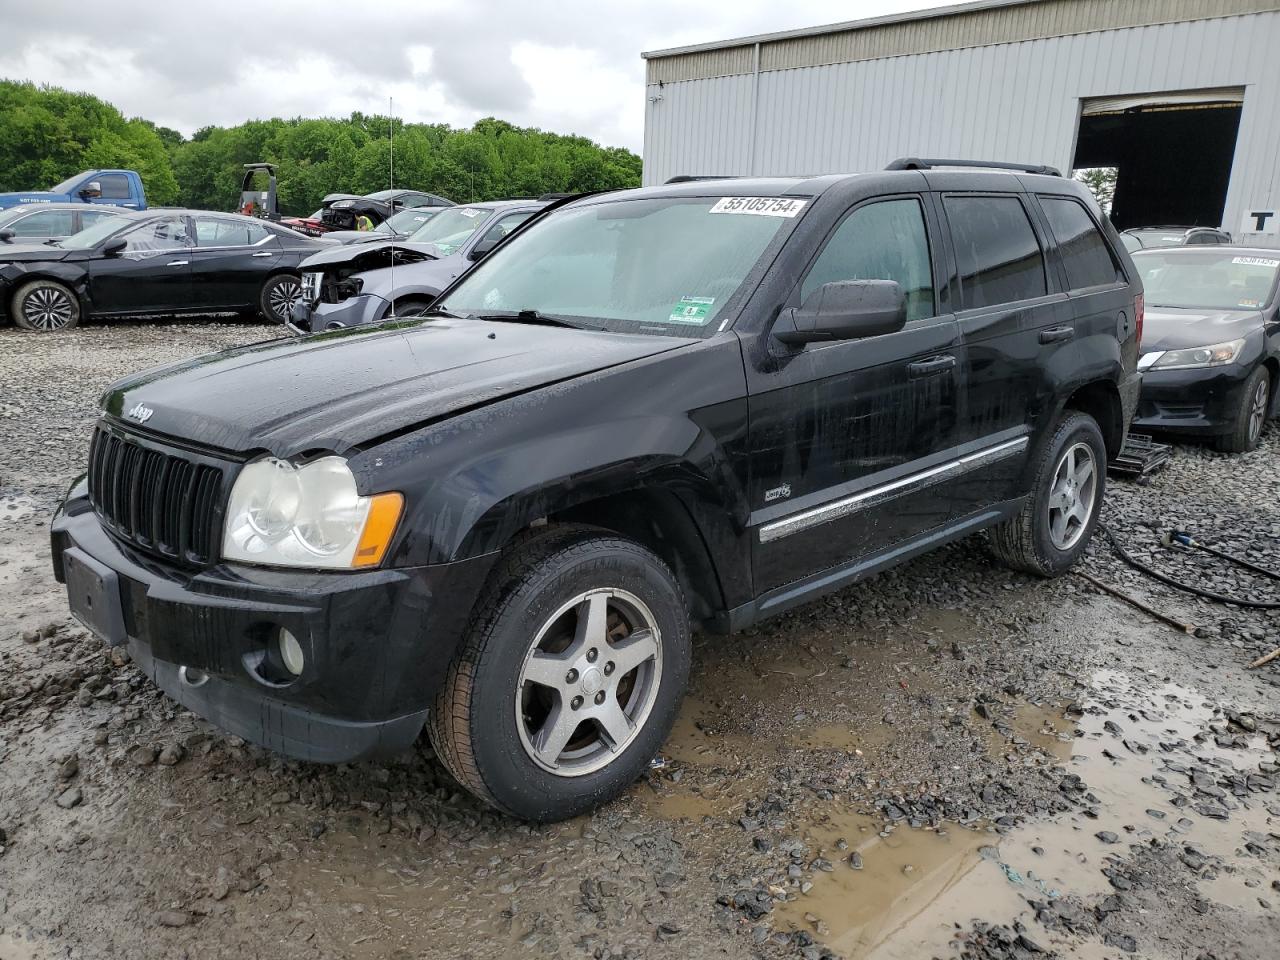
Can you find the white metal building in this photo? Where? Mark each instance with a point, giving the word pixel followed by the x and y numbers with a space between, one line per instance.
pixel 1181 96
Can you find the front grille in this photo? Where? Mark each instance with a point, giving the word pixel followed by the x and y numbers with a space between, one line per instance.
pixel 162 500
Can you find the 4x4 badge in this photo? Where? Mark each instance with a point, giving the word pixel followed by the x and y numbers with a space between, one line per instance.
pixel 777 493
pixel 140 412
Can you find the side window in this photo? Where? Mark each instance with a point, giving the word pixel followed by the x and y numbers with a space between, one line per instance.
pixel 46 223
pixel 89 217
pixel 217 232
pixel 115 186
pixel 1084 251
pixel 885 240
pixel 500 229
pixel 997 253
pixel 167 234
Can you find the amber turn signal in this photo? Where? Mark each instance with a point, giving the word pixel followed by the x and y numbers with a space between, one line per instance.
pixel 379 528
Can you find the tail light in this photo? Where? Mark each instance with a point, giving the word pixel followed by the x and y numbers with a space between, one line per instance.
pixel 1139 313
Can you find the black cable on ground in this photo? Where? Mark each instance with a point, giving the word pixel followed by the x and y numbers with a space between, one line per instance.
pixel 1180 538
pixel 1124 555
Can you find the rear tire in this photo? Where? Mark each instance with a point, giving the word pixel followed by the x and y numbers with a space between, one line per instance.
pixel 1250 415
pixel 278 296
pixel 1054 526
pixel 45 306
pixel 530 719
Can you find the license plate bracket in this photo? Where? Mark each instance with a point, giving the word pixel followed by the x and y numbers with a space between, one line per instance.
pixel 93 591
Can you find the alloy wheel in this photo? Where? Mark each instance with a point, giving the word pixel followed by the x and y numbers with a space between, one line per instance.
pixel 1071 496
pixel 588 682
pixel 284 294
pixel 48 308
pixel 1258 411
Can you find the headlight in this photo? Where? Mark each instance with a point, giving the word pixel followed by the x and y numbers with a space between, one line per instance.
pixel 1211 356
pixel 284 515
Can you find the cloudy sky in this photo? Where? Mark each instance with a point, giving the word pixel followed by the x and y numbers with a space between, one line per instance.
pixel 572 66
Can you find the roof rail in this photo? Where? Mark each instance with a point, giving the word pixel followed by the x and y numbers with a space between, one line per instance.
pixel 694 177
pixel 926 163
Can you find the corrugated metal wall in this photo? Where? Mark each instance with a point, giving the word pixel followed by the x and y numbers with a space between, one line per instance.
pixel 1008 23
pixel 1016 101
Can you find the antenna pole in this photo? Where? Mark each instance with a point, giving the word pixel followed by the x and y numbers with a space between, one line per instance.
pixel 391 124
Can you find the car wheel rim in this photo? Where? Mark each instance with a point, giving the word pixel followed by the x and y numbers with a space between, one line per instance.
pixel 1258 411
pixel 48 308
pixel 282 298
pixel 1072 495
pixel 588 682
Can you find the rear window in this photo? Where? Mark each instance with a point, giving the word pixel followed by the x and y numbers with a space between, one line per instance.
pixel 115 186
pixel 1084 252
pixel 997 253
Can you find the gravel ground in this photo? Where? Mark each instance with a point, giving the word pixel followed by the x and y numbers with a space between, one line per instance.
pixel 950 760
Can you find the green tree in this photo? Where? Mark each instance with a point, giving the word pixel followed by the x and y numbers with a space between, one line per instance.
pixel 47 134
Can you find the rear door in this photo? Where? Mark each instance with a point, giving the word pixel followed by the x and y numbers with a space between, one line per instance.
pixel 230 262
pixel 844 435
pixel 151 275
pixel 1012 316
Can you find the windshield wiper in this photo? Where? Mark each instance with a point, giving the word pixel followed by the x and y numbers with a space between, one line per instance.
pixel 530 316
pixel 437 312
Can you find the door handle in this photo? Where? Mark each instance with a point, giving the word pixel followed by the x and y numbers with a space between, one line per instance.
pixel 265 253
pixel 930 367
pixel 178 263
pixel 1057 334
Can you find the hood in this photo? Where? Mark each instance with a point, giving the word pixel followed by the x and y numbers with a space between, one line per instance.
pixel 358 236
pixel 374 255
pixel 28 252
pixel 345 388
pixel 1177 328
pixel 15 199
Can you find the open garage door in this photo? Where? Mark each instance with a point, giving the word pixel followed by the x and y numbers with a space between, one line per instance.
pixel 1172 153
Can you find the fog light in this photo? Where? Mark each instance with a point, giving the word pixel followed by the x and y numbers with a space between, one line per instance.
pixel 290 652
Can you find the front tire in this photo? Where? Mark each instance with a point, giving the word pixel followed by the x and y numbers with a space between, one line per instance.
pixel 278 296
pixel 1250 414
pixel 1056 523
pixel 45 306
pixel 569 677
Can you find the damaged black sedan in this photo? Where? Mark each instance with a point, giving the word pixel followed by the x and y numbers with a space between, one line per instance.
pixel 161 262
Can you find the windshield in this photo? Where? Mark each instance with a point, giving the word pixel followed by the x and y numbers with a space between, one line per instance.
pixel 66 185
pixel 449 230
pixel 92 236
pixel 666 266
pixel 406 221
pixel 1217 280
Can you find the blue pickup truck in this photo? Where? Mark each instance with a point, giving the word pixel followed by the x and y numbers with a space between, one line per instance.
pixel 119 188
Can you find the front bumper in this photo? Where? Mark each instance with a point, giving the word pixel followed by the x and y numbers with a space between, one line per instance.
pixel 1196 401
pixel 353 312
pixel 377 643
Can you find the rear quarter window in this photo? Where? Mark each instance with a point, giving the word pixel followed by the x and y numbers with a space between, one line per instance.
pixel 997 253
pixel 1085 253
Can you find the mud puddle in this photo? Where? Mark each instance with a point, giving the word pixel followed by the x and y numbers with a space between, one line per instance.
pixel 1146 761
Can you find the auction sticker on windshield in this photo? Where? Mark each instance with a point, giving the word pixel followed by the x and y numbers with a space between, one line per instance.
pixel 759 206
pixel 692 310
pixel 1256 261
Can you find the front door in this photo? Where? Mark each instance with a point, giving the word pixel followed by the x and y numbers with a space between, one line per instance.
pixel 151 275
pixel 844 435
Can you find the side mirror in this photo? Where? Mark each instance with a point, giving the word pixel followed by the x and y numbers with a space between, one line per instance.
pixel 114 247
pixel 844 310
pixel 6 236
pixel 91 189
pixel 481 250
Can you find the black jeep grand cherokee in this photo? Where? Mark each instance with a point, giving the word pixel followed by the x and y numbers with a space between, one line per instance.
pixel 696 404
